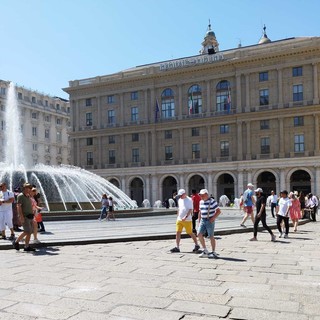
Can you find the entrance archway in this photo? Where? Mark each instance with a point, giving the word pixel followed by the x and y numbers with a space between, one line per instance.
pixel 169 187
pixel 300 180
pixel 225 186
pixel 196 182
pixel 115 182
pixel 136 191
pixel 267 182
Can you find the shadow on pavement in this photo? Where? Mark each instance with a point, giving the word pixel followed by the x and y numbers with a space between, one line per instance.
pixel 232 259
pixel 47 251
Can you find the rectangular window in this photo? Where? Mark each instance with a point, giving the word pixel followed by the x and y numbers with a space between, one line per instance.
pixel 168 152
pixel 88 102
pixel 58 121
pixel 135 137
pixel 111 99
pixel 59 136
pixel 59 150
pixel 112 139
pixel 112 156
pixel 195 132
pixel 297 71
pixel 47 118
pixel 46 103
pixel 265 145
pixel 224 128
pixel 3 125
pixel 19 95
pixel 89 158
pixel 298 92
pixel 195 151
pixel 168 134
pixel 264 97
pixel 89 141
pixel 134 114
pixel 111 117
pixel 263 76
pixel 34 147
pixel 135 155
pixel 134 95
pixel 58 106
pixel 47 133
pixel 34 131
pixel 34 115
pixel 299 143
pixel 47 148
pixel 298 121
pixel 264 124
pixel 33 99
pixel 224 148
pixel 88 119
pixel 3 91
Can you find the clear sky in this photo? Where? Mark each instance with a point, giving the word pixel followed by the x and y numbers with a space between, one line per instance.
pixel 46 43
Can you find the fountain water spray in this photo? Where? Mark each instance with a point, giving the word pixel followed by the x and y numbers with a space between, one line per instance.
pixel 62 188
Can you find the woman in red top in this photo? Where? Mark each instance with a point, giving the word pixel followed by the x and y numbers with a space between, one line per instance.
pixel 295 210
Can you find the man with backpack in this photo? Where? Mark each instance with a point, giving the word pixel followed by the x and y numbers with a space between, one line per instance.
pixel 248 203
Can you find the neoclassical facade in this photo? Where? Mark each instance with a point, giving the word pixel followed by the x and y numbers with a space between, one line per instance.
pixel 218 120
pixel 45 125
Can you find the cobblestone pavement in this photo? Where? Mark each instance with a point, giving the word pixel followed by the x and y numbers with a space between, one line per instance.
pixel 143 280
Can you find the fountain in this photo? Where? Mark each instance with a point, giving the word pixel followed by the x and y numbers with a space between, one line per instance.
pixel 62 188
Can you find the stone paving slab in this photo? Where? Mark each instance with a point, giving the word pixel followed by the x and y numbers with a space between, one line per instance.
pixel 142 280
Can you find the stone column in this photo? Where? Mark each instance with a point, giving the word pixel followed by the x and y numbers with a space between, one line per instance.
pixel 280 90
pixel 316 189
pixel 283 184
pixel 147 191
pixel 209 107
pixel 100 148
pixel 147 148
pixel 247 108
pixel 240 185
pixel 122 115
pixel 99 115
pixel 315 84
pixel 147 114
pixel 152 108
pixel 181 182
pixel 153 148
pixel 238 91
pixel 239 141
pixel 281 138
pixel 156 191
pixel 124 186
pixel 209 186
pixel 248 137
pixel 209 144
pixel 180 109
pixel 316 135
pixel 181 146
pixel 78 156
pixel 123 151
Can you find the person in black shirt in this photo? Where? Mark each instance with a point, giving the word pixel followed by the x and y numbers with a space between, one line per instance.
pixel 261 215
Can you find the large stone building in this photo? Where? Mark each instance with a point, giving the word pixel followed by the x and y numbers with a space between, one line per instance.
pixel 45 124
pixel 218 120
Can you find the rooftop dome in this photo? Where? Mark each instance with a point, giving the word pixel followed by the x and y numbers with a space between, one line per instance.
pixel 264 39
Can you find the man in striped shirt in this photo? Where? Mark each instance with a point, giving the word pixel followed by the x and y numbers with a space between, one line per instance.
pixel 209 211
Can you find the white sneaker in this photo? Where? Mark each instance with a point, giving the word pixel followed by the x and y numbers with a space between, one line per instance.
pixel 36 241
pixel 212 255
pixel 204 254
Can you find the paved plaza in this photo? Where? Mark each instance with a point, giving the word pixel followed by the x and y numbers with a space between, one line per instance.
pixel 143 280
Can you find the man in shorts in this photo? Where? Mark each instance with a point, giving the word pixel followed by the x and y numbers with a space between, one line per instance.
pixel 26 216
pixel 209 211
pixel 248 202
pixel 184 220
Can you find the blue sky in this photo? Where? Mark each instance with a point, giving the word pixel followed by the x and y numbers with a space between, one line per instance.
pixel 46 43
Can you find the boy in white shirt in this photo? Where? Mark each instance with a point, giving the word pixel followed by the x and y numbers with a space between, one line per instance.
pixel 282 211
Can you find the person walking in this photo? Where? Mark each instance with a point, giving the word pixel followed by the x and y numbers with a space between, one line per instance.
pixel 295 210
pixel 195 215
pixel 184 221
pixel 248 202
pixel 313 204
pixel 209 211
pixel 24 207
pixel 282 211
pixel 261 215
pixel 104 206
pixel 110 214
pixel 6 214
pixel 274 201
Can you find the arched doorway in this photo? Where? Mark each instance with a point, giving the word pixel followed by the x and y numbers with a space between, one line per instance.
pixel 169 187
pixel 196 182
pixel 136 191
pixel 300 180
pixel 267 182
pixel 115 182
pixel 225 186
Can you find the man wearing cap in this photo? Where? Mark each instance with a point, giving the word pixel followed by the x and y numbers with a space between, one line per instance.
pixel 184 220
pixel 209 211
pixel 248 202
pixel 282 211
pixel 261 215
pixel 24 208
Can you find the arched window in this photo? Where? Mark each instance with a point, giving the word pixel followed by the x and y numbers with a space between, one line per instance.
pixel 223 94
pixel 194 99
pixel 167 104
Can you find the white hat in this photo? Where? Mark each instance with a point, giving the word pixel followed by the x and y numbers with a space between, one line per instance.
pixel 181 192
pixel 203 191
pixel 258 190
pixel 250 185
